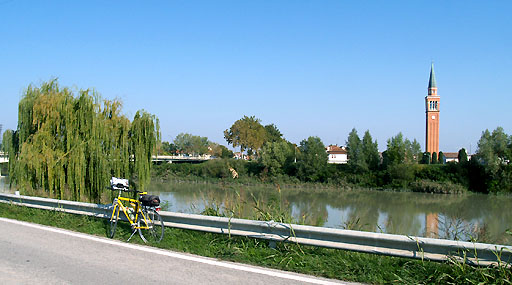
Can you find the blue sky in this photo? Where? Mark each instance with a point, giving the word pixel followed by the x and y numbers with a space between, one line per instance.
pixel 313 68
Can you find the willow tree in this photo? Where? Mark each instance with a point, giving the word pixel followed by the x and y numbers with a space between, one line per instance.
pixel 143 140
pixel 69 146
pixel 6 141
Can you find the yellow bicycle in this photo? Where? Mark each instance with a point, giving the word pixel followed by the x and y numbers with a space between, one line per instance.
pixel 142 213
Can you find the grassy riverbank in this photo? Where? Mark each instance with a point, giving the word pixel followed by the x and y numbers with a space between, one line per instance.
pixel 323 262
pixel 446 179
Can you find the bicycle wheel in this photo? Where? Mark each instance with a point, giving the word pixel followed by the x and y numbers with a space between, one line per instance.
pixel 155 232
pixel 113 221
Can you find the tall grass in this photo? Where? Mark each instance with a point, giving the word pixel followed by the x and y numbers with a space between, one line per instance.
pixel 428 186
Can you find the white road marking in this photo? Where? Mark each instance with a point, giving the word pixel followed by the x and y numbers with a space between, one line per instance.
pixel 175 255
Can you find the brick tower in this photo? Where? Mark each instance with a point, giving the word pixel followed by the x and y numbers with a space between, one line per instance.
pixel 432 112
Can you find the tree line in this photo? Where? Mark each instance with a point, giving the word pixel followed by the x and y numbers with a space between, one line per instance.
pixel 72 143
pixel 401 166
pixel 188 144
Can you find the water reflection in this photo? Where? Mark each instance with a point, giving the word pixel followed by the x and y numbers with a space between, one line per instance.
pixel 464 217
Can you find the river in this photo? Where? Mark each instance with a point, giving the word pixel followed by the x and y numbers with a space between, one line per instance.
pixel 479 217
pixel 484 218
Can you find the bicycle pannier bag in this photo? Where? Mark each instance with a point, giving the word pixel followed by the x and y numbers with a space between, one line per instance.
pixel 150 200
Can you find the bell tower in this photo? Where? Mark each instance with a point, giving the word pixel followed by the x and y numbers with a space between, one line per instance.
pixel 432 101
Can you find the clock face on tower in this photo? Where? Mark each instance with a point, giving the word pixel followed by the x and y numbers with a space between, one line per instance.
pixel 433 117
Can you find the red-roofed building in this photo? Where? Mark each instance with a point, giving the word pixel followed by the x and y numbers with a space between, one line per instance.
pixel 337 154
pixel 451 156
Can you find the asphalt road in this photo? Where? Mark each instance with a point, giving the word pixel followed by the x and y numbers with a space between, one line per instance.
pixel 35 254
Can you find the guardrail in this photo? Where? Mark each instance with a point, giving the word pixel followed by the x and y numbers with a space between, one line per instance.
pixel 368 242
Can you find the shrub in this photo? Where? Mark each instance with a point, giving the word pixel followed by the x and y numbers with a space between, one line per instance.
pixel 217 168
pixel 402 172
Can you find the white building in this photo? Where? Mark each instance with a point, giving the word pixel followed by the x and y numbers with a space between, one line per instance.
pixel 337 154
pixel 451 156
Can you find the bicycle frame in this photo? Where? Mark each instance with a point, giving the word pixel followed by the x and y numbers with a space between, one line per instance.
pixel 137 211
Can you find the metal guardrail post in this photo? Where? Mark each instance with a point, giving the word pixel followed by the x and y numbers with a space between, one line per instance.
pixel 368 242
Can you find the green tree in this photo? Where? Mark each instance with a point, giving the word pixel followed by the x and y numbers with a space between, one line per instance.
pixel 70 146
pixel 6 141
pixel 190 144
pixel 485 150
pixel 400 150
pixel 370 150
pixel 501 142
pixel 218 150
pixel 441 158
pixel 247 133
pixel 312 159
pixel 494 154
pixel 225 152
pixel 272 133
pixel 396 150
pixel 183 143
pixel 494 148
pixel 276 155
pixel 200 145
pixel 355 151
pixel 425 158
pixel 143 141
pixel 415 151
pixel 434 158
pixel 462 156
pixel 169 148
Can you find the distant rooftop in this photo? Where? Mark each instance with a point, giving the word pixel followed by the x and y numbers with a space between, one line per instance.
pixel 334 149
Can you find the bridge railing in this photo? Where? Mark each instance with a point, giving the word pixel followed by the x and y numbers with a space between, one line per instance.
pixel 180 158
pixel 4 157
pixel 368 242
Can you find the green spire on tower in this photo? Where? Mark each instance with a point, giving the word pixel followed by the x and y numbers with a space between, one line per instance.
pixel 432 81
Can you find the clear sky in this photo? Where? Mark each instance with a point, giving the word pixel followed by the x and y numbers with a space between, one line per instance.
pixel 313 68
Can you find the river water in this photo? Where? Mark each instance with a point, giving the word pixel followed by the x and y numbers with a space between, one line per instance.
pixel 484 218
